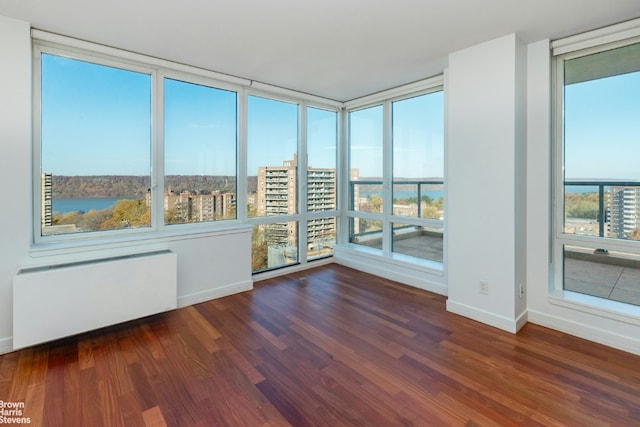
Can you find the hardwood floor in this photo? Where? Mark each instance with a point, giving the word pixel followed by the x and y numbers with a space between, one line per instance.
pixel 325 347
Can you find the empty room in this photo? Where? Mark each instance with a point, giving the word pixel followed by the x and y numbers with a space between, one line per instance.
pixel 287 213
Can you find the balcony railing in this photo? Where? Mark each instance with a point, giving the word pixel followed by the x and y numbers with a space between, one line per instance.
pixel 374 183
pixel 600 186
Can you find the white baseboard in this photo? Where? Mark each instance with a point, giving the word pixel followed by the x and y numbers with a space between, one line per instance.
pixel 6 345
pixel 585 331
pixel 411 274
pixel 198 297
pixel 491 319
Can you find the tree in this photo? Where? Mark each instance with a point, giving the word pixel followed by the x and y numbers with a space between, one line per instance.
pixel 634 235
pixel 259 249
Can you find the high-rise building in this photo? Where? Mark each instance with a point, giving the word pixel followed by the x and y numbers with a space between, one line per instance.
pixel 624 211
pixel 47 196
pixel 277 195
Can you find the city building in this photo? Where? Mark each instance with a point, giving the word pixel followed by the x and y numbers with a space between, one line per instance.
pixel 188 206
pixel 277 195
pixel 623 210
pixel 46 200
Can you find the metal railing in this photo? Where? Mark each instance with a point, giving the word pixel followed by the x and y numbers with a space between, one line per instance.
pixel 379 183
pixel 600 185
pixel 418 183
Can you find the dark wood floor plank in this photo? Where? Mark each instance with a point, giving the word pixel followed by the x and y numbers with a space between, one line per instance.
pixel 328 346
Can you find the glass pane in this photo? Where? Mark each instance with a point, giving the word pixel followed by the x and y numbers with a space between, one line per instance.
pixel 365 154
pixel 601 133
pixel 200 153
pixel 322 132
pixel 601 273
pixel 366 232
pixel 582 209
pixel 272 144
pixel 418 156
pixel 95 147
pixel 321 237
pixel 274 245
pixel 418 241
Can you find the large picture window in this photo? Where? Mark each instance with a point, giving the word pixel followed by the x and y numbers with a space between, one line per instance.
pixel 272 181
pixel 95 146
pixel 200 153
pixel 396 177
pixel 418 175
pixel 598 220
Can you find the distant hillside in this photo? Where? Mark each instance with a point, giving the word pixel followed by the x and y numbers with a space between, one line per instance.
pixel 70 187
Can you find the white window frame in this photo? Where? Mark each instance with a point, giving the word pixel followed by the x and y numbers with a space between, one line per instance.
pixel 386 99
pixel 159 69
pixel 600 40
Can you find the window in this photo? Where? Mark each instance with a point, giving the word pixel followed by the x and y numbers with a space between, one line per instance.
pixel 95 146
pixel 418 175
pixel 598 217
pixel 396 183
pixel 366 193
pixel 322 141
pixel 200 153
pixel 272 181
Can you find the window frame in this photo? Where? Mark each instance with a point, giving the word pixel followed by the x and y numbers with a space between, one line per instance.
pixel 159 69
pixel 582 45
pixel 386 99
pixel 103 60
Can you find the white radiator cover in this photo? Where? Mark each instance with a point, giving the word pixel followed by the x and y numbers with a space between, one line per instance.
pixel 62 300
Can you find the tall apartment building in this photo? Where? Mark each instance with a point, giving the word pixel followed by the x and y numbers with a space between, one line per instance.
pixel 46 211
pixel 624 210
pixel 277 195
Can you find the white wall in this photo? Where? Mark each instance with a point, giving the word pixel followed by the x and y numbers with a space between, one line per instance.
pixel 15 166
pixel 484 173
pixel 583 319
pixel 210 265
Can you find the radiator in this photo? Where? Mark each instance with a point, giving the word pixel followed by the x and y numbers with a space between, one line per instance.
pixel 62 300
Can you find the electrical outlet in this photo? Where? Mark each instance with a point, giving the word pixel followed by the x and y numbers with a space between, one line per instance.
pixel 521 290
pixel 484 287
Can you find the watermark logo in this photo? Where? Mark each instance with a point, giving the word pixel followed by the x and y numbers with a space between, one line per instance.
pixel 13 413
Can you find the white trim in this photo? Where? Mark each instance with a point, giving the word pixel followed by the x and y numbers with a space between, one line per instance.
pixel 585 331
pixel 44 37
pixel 290 93
pixel 6 345
pixel 270 274
pixel 420 87
pixel 610 34
pixel 486 317
pixel 198 297
pixel 421 274
pixel 608 309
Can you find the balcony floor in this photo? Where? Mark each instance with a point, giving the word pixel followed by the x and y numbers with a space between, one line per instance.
pixel 423 246
pixel 614 282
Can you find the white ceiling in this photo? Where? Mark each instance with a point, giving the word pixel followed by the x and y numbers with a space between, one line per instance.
pixel 338 49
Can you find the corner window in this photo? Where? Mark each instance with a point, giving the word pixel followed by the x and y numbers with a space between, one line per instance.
pixel 598 217
pixel 396 182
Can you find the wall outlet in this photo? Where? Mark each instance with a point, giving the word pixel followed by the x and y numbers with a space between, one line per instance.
pixel 521 290
pixel 484 287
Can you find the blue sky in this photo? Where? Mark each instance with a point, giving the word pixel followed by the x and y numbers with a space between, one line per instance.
pixel 602 128
pixel 418 138
pixel 97 121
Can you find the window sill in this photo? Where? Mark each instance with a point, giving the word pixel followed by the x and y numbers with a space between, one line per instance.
pixel 84 244
pixel 423 265
pixel 614 310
